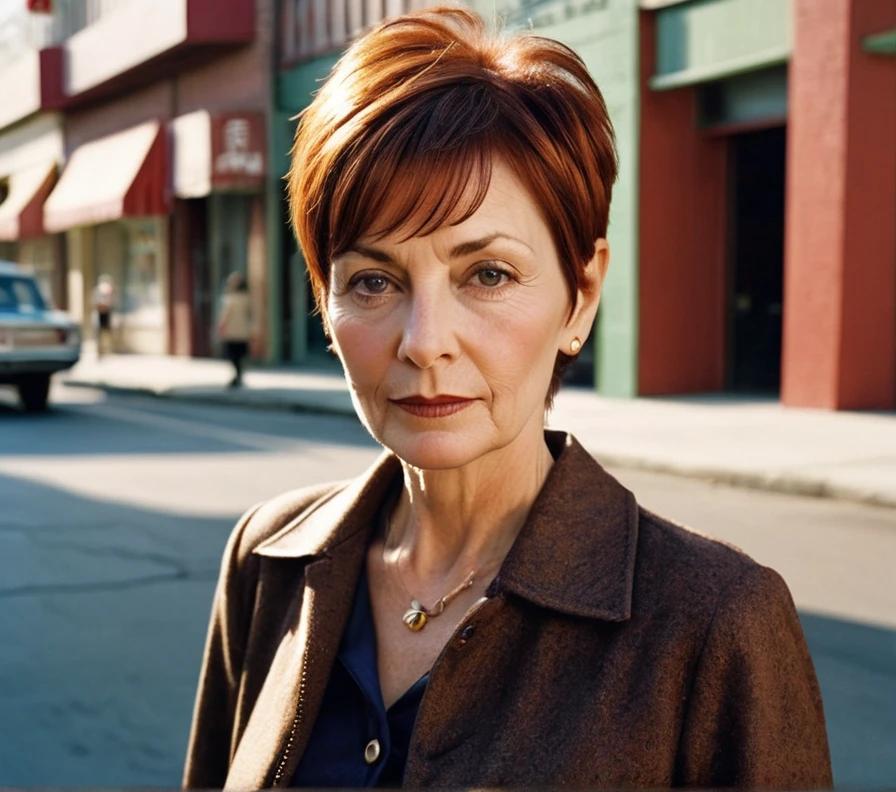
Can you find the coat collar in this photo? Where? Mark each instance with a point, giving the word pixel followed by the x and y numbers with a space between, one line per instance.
pixel 349 512
pixel 575 553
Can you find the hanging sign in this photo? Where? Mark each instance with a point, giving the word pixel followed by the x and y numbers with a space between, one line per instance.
pixel 238 150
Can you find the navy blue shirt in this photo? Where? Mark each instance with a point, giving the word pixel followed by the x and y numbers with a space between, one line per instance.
pixel 353 714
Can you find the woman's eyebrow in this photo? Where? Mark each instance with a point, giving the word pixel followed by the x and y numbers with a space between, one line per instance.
pixel 458 251
pixel 372 253
pixel 474 245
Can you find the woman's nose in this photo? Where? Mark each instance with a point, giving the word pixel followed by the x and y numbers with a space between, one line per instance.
pixel 428 334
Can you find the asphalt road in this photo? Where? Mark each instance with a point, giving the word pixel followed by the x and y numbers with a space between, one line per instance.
pixel 114 512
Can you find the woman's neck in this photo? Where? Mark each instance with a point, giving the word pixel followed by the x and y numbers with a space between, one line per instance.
pixel 449 522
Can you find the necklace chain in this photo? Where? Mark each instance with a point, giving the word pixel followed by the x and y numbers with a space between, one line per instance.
pixel 416 617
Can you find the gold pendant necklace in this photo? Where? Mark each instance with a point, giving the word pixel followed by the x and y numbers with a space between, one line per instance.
pixel 416 617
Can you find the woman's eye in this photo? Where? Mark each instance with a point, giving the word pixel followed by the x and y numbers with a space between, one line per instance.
pixel 372 284
pixel 491 277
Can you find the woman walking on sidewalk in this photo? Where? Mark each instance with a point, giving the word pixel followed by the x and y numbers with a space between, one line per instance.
pixel 486 606
pixel 235 324
pixel 103 305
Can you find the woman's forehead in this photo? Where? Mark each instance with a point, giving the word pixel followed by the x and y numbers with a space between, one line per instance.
pixel 504 209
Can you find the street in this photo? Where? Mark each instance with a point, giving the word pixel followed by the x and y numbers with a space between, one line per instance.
pixel 115 510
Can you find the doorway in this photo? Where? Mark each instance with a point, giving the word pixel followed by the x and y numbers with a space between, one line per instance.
pixel 755 260
pixel 203 299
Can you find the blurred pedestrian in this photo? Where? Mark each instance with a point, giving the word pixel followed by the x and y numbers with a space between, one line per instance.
pixel 486 606
pixel 235 324
pixel 103 306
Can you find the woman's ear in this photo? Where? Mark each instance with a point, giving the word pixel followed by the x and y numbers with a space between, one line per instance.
pixel 588 296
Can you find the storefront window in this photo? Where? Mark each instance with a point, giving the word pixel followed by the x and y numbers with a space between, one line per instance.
pixel 131 253
pixel 37 255
pixel 143 299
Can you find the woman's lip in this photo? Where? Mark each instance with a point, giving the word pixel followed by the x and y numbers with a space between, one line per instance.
pixel 423 400
pixel 438 407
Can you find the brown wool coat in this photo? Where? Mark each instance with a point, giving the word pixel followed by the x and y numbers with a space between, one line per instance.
pixel 614 649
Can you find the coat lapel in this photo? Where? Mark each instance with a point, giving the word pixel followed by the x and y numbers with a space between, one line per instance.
pixel 333 540
pixel 575 554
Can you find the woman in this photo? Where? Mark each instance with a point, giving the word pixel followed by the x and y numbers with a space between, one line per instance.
pixel 103 304
pixel 234 324
pixel 486 606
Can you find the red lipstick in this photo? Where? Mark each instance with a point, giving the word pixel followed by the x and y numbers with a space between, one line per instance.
pixel 433 407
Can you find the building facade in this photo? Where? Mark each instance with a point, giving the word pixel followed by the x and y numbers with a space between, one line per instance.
pixel 754 225
pixel 156 155
pixel 752 230
pixel 738 131
pixel 767 200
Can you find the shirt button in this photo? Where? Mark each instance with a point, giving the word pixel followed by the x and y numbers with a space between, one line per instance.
pixel 372 751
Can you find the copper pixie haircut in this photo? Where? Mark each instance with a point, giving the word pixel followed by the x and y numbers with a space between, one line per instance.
pixel 402 135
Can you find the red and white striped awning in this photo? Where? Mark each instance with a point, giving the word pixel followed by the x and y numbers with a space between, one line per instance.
pixel 121 175
pixel 22 211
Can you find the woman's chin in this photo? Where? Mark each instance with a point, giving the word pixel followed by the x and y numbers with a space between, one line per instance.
pixel 435 449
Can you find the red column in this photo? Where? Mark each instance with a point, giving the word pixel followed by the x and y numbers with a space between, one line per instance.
pixel 681 240
pixel 840 252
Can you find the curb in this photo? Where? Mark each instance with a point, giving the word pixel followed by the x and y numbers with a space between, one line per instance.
pixel 223 398
pixel 782 484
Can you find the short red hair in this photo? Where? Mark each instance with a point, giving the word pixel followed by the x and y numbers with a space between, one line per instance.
pixel 408 123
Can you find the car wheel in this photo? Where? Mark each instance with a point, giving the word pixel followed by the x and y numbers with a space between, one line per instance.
pixel 34 391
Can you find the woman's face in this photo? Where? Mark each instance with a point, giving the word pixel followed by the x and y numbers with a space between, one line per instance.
pixel 449 340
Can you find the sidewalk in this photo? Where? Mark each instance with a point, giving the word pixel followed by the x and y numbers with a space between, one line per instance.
pixel 743 441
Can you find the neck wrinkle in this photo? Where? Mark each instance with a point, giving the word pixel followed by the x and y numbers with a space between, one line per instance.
pixel 447 523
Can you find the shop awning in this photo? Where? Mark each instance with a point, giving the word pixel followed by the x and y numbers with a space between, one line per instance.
pixel 224 151
pixel 122 175
pixel 21 213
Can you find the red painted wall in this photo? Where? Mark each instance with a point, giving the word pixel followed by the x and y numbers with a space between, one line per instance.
pixel 207 20
pixel 840 251
pixel 681 238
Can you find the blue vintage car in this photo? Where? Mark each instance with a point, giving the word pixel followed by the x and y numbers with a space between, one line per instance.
pixel 35 339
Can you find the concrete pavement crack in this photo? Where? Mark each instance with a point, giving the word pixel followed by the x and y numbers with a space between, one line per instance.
pixel 108 585
pixel 123 553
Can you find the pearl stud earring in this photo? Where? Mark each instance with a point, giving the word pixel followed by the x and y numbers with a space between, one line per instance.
pixel 575 345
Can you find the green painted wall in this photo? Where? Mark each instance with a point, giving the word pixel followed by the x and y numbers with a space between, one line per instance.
pixel 296 86
pixel 292 92
pixel 278 148
pixel 605 35
pixel 708 39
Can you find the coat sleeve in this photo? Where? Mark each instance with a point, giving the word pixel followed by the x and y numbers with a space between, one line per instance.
pixel 754 717
pixel 211 733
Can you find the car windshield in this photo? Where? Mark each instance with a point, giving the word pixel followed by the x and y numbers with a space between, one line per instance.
pixel 20 295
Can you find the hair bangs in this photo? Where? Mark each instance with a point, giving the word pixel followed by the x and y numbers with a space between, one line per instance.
pixel 410 188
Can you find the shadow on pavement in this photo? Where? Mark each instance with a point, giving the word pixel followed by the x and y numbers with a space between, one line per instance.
pixel 856 667
pixel 103 612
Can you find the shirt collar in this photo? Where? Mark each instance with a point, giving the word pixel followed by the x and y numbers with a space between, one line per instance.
pixel 574 554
